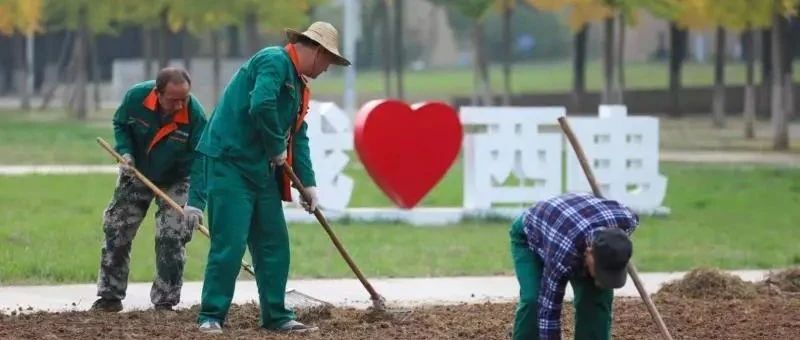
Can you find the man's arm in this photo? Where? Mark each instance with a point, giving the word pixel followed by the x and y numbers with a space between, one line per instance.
pixel 122 131
pixel 302 157
pixel 551 296
pixel 270 74
pixel 197 173
pixel 560 258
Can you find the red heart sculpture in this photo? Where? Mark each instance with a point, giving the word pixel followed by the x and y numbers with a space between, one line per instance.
pixel 407 150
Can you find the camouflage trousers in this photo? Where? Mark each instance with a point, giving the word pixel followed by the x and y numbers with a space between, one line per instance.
pixel 121 220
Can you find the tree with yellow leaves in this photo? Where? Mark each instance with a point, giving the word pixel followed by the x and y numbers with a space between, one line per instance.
pixel 580 13
pixel 86 18
pixel 22 18
pixel 744 16
pixel 782 81
pixel 615 14
pixel 506 8
pixel 476 10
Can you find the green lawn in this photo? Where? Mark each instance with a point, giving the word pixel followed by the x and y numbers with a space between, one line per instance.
pixel 50 138
pixel 530 77
pixel 721 216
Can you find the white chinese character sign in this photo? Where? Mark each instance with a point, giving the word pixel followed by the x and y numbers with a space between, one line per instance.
pixel 330 139
pixel 511 144
pixel 512 156
pixel 623 154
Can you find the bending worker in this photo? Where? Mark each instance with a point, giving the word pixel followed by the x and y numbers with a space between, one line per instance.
pixel 156 129
pixel 256 129
pixel 576 238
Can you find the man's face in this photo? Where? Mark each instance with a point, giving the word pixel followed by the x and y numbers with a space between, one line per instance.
pixel 320 62
pixel 174 98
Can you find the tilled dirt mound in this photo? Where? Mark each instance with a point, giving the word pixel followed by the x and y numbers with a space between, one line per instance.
pixel 787 281
pixel 709 283
pixel 763 317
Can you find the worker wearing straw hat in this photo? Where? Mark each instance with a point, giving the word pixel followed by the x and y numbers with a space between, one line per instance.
pixel 258 127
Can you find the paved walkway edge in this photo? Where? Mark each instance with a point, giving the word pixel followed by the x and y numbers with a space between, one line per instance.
pixel 405 292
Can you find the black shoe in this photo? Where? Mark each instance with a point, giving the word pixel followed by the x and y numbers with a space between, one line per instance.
pixel 107 305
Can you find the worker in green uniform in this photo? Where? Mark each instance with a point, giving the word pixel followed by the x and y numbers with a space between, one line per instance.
pixel 156 129
pixel 255 130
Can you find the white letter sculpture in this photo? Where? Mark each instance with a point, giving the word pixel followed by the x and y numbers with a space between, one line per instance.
pixel 330 136
pixel 512 158
pixel 623 154
pixel 512 144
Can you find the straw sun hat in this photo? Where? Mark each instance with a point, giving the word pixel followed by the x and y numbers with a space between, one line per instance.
pixel 324 34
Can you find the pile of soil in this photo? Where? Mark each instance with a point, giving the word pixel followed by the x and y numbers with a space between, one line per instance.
pixel 709 283
pixel 764 317
pixel 787 281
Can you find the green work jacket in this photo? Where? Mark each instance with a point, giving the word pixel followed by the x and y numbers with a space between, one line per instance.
pixel 162 152
pixel 253 119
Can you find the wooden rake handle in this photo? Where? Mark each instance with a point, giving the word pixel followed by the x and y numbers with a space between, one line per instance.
pixel 247 267
pixel 651 307
pixel 322 220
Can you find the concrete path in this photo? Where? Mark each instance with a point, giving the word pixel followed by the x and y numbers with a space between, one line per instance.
pixel 339 292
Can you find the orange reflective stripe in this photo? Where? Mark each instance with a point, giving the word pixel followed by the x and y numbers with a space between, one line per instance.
pixel 286 193
pixel 182 116
pixel 164 131
pixel 306 96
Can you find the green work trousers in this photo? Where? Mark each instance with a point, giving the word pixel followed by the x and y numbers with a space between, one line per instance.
pixel 241 214
pixel 592 304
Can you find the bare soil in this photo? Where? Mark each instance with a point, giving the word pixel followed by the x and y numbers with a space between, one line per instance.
pixel 766 317
pixel 691 311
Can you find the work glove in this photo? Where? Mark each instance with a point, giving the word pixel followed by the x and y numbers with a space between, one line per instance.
pixel 126 167
pixel 279 160
pixel 194 216
pixel 311 204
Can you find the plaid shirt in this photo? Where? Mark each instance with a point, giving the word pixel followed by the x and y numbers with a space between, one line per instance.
pixel 558 230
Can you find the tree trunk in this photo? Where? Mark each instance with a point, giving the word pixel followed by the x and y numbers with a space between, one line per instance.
pixel 147 53
pixel 398 46
pixel 370 17
pixel 50 91
pixel 92 39
pixel 78 101
pixel 766 71
pixel 749 89
pixel 163 39
pixel 718 100
pixel 608 62
pixel 252 38
pixel 780 127
pixel 20 57
pixel 678 40
pixel 788 80
pixel 507 60
pixel 386 44
pixel 620 61
pixel 187 49
pixel 217 65
pixel 483 88
pixel 579 66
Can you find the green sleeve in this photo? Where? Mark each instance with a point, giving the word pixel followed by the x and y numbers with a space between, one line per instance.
pixel 270 74
pixel 197 172
pixel 122 130
pixel 302 157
